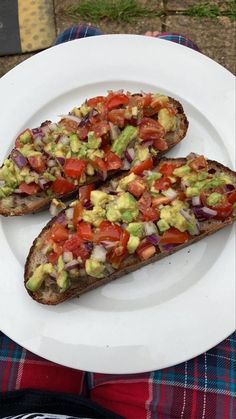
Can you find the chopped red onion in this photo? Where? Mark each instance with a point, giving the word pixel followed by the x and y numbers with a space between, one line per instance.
pixel 18 158
pixel 67 257
pixel 149 228
pixel 37 132
pixel 153 239
pixel 166 247
pixel 88 204
pixel 114 131
pixel 204 213
pixel 64 140
pixel 89 246
pixel 61 160
pixel 108 244
pixel 170 193
pixel 69 213
pixel 99 253
pixel 147 143
pixel 53 127
pixel 196 201
pixel 44 184
pixel 71 118
pixel 61 217
pixel 229 187
pixel 72 265
pixel 45 129
pixel 125 165
pixel 53 209
pixel 51 163
pixel 129 154
pixel 38 141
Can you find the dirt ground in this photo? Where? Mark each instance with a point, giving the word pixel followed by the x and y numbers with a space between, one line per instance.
pixel 215 37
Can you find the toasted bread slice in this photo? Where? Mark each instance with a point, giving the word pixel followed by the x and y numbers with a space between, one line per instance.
pixel 50 293
pixel 20 204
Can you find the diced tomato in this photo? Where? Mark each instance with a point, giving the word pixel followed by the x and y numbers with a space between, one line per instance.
pixel 162 184
pixel 116 100
pixel 83 132
pixel 72 244
pixel 108 231
pixel 232 197
pixel 151 214
pixel 37 163
pixel 137 187
pixel 147 99
pixel 160 144
pixel 29 188
pixel 114 259
pixel 82 251
pixel 113 162
pixel 74 168
pixel 121 248
pixel 117 117
pixel 144 165
pixel 167 168
pixel 100 165
pixel 69 125
pixel 53 257
pixel 145 201
pixel 101 128
pixel 95 100
pixel 59 233
pixel 174 236
pixel 149 129
pixel 153 107
pixel 198 163
pixel 181 195
pixel 18 144
pixel 145 250
pixel 62 186
pixel 224 207
pixel 78 210
pixel 84 231
pixel 85 192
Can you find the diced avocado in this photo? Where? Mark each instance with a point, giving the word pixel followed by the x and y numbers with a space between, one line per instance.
pixel 190 179
pixel 30 179
pixel 50 147
pixel 202 175
pixel 7 173
pixel 90 170
pixel 121 143
pixel 113 214
pixel 84 109
pixel 135 229
pixel 99 198
pixel 28 150
pixel 127 216
pixel 161 98
pixel 68 154
pixel 94 216
pixel 153 176
pixel 48 176
pixel 94 268
pixel 182 171
pixel 74 143
pixel 59 153
pixel 192 191
pixel 125 202
pixel 93 154
pixel 76 112
pixel 25 137
pixel 82 179
pixel 171 215
pixel 93 142
pixel 63 281
pixel 167 120
pixel 60 264
pixel 214 182
pixel 225 178
pixel 123 183
pixel 5 191
pixel 178 204
pixel 83 150
pixel 141 153
pixel 214 198
pixel 133 243
pixel 36 280
pixel 163 225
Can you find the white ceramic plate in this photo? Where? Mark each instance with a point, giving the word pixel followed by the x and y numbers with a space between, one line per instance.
pixel 167 312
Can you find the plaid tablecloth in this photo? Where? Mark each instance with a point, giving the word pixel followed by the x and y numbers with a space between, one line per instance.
pixel 202 388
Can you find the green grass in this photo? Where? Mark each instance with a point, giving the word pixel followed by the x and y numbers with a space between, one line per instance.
pixel 211 10
pixel 114 10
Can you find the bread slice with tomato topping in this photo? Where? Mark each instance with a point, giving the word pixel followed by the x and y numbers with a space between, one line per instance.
pixel 131 221
pixel 105 135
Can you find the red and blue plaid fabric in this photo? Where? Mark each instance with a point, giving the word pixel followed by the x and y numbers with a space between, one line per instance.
pixel 202 388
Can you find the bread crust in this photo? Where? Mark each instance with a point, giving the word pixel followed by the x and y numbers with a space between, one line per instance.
pixel 16 205
pixel 131 263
